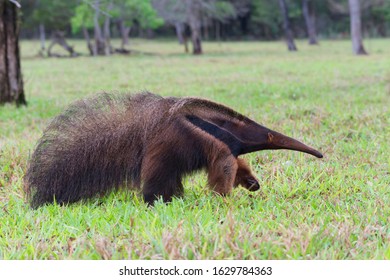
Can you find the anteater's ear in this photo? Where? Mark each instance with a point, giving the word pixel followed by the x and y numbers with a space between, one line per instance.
pixel 218 132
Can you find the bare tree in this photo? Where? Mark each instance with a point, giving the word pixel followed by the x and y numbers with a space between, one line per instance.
pixel 90 46
pixel 286 26
pixel 88 14
pixel 182 13
pixel 42 37
pixel 195 14
pixel 100 47
pixel 174 13
pixel 180 29
pixel 58 38
pixel 11 82
pixel 356 27
pixel 193 9
pixel 309 15
pixel 124 32
pixel 354 9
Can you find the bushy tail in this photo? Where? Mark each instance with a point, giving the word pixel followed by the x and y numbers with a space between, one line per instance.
pixel 89 149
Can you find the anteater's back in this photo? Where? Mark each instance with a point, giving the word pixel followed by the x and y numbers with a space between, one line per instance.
pixel 96 145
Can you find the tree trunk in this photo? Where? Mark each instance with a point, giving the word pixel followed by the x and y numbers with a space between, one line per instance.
pixel 196 39
pixel 107 36
pixel 185 43
pixel 193 15
pixel 11 82
pixel 124 32
pixel 58 37
pixel 180 29
pixel 100 46
pixel 42 37
pixel 308 13
pixel 286 26
pixel 88 39
pixel 356 27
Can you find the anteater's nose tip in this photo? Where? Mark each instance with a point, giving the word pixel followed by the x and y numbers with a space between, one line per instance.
pixel 319 155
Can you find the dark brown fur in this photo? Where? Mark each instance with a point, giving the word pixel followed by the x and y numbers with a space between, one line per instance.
pixel 147 141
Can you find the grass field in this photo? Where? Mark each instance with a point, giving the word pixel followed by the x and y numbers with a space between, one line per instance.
pixel 334 208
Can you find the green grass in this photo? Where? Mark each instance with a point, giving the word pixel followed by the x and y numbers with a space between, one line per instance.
pixel 334 208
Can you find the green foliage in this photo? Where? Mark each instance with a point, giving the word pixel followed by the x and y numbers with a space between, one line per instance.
pixel 382 12
pixel 334 208
pixel 54 13
pixel 222 10
pixel 294 9
pixel 140 11
pixel 83 17
pixel 267 14
pixel 261 18
pixel 130 11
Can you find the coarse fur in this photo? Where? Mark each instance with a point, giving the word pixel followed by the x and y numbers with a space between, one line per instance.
pixel 146 141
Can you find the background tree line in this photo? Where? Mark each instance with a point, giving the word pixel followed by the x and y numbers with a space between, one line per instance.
pixel 191 21
pixel 195 20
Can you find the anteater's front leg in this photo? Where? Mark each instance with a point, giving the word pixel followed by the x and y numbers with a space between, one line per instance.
pixel 245 177
pixel 161 176
pixel 222 169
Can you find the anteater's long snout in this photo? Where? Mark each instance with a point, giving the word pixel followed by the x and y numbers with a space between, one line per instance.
pixel 279 141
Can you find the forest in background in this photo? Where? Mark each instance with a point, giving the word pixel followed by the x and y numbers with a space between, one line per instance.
pixel 100 20
pixel 229 19
pixel 191 21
